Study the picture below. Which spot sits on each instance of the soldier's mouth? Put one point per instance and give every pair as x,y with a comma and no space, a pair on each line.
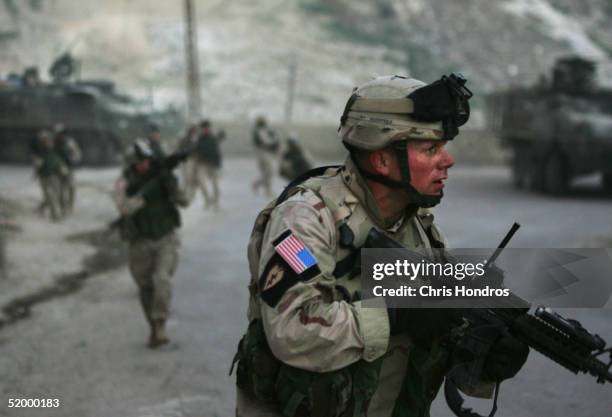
438,184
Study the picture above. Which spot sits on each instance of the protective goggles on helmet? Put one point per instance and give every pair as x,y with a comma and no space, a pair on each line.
142,150
445,100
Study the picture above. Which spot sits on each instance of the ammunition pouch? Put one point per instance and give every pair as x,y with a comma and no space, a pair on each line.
127,228
300,393
257,369
343,393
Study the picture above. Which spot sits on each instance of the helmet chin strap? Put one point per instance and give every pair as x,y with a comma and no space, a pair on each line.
416,198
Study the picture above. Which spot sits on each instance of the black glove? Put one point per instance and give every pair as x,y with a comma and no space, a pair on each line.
505,358
169,184
423,323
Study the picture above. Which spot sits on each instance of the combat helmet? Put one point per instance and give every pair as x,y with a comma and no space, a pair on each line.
139,150
390,110
142,150
261,121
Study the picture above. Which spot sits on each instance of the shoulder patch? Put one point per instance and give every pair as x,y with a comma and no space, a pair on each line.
274,276
294,252
292,263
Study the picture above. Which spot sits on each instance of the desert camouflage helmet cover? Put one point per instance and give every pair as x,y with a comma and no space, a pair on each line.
379,115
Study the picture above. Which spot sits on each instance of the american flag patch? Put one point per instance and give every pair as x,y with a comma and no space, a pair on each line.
293,251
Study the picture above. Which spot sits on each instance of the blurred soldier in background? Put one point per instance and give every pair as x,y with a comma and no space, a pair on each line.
70,152
266,145
30,77
4,224
294,159
49,168
37,150
154,141
147,196
189,169
208,163
310,348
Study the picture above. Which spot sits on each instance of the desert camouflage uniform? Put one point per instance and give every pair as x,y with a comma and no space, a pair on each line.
153,248
153,264
266,146
50,169
71,154
317,324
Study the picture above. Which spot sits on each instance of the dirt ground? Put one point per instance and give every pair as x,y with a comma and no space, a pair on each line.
71,326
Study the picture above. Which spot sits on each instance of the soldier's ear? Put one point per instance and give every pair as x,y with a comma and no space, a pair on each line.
380,161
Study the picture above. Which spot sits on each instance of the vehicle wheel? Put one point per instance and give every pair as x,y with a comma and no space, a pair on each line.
556,174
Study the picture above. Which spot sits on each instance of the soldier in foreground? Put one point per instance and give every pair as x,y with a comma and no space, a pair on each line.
70,153
147,196
266,145
310,349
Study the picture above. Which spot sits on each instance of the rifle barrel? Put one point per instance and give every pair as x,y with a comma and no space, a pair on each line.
503,244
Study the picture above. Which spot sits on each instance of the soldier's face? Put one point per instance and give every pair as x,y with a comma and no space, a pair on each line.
47,142
142,167
429,162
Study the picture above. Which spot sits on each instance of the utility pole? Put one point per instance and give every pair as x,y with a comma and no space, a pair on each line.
291,81
194,97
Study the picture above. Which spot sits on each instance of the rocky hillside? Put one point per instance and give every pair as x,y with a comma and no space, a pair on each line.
247,47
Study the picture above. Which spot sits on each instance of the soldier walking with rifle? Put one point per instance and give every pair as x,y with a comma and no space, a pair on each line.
147,196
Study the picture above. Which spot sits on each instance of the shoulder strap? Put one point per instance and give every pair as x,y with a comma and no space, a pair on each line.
455,400
315,172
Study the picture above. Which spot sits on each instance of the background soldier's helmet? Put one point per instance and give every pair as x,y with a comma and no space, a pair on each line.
43,134
59,128
45,138
376,116
261,121
142,150
154,128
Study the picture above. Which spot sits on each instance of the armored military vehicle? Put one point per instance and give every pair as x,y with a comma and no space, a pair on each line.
102,121
557,129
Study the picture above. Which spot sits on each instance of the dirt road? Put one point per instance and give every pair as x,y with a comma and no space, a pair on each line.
85,346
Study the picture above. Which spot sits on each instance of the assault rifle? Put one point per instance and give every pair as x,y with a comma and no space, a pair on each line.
563,340
160,167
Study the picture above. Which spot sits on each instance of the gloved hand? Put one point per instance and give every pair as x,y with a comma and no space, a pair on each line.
505,358
423,323
169,184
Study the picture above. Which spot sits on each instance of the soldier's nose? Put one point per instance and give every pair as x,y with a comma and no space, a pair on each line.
446,160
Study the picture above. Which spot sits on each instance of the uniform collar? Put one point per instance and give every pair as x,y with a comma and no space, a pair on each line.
359,187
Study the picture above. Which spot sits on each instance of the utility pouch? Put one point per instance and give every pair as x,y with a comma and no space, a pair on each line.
257,369
127,229
343,393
